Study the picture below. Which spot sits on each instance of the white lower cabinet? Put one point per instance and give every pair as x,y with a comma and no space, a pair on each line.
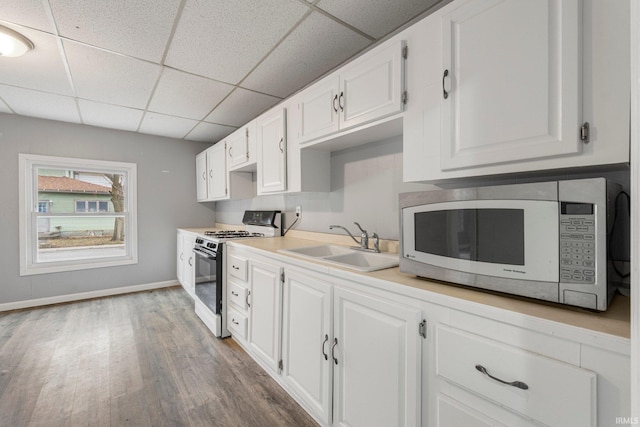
265,311
376,354
185,271
306,341
354,353
352,358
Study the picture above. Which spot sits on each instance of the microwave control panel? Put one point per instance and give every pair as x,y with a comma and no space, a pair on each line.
577,243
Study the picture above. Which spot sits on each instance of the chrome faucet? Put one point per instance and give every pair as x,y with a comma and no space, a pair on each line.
364,238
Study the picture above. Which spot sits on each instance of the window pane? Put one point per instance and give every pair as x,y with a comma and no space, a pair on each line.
72,190
80,237
78,215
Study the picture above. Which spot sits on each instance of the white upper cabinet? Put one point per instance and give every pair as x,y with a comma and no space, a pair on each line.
506,86
511,82
368,89
241,147
272,151
217,171
201,176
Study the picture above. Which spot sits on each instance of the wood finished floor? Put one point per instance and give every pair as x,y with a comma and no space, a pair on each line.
141,359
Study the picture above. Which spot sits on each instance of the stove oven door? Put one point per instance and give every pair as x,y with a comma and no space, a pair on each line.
208,277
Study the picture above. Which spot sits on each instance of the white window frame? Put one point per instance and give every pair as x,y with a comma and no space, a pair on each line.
28,209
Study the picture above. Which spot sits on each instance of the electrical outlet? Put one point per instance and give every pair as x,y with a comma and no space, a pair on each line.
298,211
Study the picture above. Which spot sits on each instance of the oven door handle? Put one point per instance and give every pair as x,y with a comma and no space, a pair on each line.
204,254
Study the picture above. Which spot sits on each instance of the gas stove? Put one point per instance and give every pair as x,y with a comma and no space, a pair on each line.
210,275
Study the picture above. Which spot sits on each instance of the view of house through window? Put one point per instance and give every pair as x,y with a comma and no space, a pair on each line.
80,212
85,235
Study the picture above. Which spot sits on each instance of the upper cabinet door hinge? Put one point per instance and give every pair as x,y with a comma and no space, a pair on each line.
405,97
422,328
405,52
584,132
280,365
282,277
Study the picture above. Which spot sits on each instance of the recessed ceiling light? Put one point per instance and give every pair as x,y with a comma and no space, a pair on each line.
13,44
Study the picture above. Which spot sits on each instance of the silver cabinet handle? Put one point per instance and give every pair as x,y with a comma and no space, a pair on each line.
280,145
335,99
182,256
190,263
247,299
235,267
445,94
517,384
211,173
340,101
326,338
333,348
204,175
235,322
230,151
235,294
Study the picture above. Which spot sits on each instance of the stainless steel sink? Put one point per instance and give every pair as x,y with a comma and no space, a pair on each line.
346,257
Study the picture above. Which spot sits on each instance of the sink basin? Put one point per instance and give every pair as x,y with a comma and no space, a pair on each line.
346,257
320,251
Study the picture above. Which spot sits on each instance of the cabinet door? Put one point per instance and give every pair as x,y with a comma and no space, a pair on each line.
201,176
511,82
241,147
373,87
188,270
272,156
238,149
306,341
265,312
180,258
217,171
377,354
318,107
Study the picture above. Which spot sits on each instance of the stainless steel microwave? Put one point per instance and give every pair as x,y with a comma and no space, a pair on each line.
543,240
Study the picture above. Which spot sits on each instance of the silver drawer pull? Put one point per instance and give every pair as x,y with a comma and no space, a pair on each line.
235,294
517,384
235,268
235,322
326,338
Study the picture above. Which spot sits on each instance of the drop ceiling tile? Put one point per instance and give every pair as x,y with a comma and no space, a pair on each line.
209,132
315,47
375,17
187,95
224,40
170,126
103,76
4,108
40,69
138,28
40,104
109,116
240,107
30,13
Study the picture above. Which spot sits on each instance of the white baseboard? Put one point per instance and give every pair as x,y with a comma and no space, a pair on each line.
85,295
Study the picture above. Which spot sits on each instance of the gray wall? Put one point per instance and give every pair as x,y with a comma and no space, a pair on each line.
166,201
365,184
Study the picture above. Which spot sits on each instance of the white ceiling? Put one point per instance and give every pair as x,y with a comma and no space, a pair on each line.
186,69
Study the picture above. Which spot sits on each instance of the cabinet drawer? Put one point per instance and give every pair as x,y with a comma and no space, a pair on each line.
238,295
552,392
237,323
238,267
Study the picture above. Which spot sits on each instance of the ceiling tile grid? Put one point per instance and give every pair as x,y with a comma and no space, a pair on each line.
185,69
